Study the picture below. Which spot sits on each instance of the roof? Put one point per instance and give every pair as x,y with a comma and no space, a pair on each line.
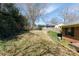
72,23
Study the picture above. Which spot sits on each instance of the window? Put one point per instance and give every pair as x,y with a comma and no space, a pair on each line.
69,31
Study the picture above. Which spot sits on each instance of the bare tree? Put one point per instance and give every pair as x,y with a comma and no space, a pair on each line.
64,14
69,14
34,11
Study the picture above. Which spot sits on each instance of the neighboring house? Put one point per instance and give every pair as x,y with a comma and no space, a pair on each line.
71,29
46,27
58,28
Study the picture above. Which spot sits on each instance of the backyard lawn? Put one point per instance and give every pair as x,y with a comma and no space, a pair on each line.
34,43
55,38
62,42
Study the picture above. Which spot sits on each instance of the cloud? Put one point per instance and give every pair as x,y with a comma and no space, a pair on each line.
50,9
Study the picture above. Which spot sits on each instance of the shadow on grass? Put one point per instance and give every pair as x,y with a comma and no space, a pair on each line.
14,36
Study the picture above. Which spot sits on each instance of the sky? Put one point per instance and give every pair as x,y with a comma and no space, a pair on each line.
53,10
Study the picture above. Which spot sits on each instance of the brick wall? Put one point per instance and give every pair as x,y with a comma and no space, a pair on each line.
69,36
77,33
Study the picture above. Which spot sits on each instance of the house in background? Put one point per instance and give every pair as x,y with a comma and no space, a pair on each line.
47,26
71,29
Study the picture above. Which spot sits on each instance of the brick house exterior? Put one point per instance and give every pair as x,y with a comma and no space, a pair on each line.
71,31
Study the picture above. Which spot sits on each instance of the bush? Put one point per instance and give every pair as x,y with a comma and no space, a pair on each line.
11,22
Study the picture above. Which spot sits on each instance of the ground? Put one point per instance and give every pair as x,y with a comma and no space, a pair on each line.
34,43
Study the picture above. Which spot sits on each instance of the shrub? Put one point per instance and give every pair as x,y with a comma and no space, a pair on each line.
11,21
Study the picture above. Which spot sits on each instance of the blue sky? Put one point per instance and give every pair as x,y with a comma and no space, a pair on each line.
52,11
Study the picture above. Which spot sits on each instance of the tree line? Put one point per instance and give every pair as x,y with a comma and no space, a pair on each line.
11,20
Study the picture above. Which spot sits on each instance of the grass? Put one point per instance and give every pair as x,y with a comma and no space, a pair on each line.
63,42
55,38
27,44
32,44
53,35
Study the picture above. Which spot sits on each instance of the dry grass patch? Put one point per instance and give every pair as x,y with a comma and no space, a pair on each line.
35,43
28,44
